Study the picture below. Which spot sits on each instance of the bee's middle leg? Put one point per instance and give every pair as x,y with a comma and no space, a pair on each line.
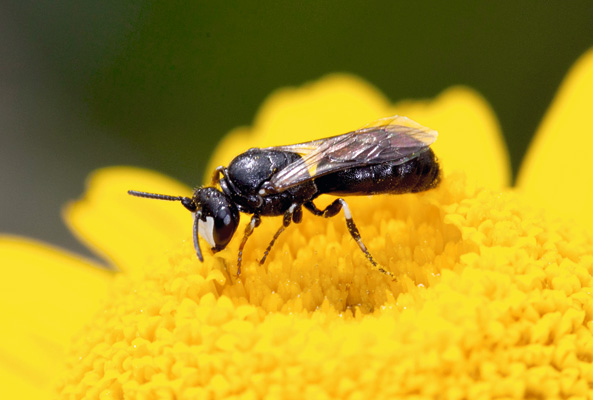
294,213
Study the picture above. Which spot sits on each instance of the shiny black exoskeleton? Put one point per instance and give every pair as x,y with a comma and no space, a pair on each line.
390,157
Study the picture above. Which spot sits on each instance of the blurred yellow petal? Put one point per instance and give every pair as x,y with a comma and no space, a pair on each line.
556,172
469,135
47,296
127,230
469,140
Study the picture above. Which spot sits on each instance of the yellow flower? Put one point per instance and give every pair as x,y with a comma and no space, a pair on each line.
493,298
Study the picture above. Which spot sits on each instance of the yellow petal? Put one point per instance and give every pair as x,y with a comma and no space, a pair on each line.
129,230
469,135
46,297
556,172
469,140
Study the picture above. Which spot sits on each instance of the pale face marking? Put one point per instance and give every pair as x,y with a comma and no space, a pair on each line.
206,230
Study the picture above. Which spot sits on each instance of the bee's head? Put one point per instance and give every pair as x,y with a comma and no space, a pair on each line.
216,217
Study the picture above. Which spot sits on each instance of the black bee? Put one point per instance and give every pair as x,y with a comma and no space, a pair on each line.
389,156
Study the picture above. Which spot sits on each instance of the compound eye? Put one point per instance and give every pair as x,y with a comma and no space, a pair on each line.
225,225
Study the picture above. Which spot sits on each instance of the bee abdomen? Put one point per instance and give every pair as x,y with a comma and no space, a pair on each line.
416,175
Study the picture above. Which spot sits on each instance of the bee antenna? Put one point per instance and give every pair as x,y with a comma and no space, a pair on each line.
196,241
186,201
154,195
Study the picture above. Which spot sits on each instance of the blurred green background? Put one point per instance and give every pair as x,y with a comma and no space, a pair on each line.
156,84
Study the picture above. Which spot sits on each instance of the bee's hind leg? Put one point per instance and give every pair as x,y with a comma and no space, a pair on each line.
332,210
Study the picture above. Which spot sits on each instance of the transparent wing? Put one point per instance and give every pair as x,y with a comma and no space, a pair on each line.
396,139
